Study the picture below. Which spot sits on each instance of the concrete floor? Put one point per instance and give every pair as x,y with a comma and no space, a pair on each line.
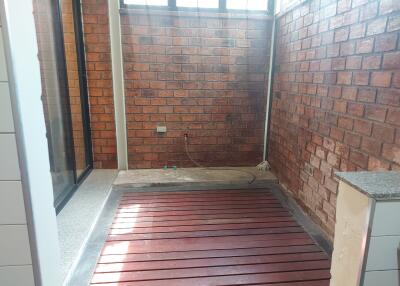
192,177
77,219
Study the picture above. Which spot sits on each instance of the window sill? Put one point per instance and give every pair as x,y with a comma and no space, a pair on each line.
203,14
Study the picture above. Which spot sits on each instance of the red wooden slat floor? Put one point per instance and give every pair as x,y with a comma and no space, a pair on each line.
201,238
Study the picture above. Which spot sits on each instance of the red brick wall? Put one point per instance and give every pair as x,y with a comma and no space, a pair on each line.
204,76
336,99
98,61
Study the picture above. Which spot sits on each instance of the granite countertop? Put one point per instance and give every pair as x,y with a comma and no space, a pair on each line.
380,185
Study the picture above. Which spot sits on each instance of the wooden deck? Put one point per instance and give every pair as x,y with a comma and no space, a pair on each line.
200,238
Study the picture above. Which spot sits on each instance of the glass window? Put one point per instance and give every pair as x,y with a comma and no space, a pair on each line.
258,5
74,86
55,97
62,72
147,2
197,3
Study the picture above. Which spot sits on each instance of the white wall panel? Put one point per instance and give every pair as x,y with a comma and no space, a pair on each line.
3,66
12,209
6,117
14,245
16,275
386,219
9,166
382,278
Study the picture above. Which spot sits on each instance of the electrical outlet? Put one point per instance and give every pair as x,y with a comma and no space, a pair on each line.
161,129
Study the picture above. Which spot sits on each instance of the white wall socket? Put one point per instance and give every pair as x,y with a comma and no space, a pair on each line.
161,129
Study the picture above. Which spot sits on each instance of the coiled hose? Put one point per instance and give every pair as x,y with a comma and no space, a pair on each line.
253,177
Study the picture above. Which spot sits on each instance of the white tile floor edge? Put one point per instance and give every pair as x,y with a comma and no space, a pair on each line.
77,219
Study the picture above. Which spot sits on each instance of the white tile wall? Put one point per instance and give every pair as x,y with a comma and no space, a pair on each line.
12,209
14,245
383,253
386,219
22,43
382,278
6,119
15,255
16,275
9,165
3,66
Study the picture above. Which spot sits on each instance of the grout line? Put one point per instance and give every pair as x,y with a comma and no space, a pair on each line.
14,265
13,224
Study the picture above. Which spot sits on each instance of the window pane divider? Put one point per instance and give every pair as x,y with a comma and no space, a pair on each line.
222,5
172,4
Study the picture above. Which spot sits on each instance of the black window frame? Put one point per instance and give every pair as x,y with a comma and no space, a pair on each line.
56,9
222,8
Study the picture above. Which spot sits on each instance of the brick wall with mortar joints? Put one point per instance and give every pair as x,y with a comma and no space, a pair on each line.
204,76
99,77
336,104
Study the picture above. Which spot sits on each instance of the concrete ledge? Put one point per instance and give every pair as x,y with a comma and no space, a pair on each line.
77,219
194,178
379,185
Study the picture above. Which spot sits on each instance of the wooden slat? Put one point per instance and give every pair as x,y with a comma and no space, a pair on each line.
200,227
215,233
209,262
214,253
216,237
198,199
201,195
199,203
128,276
194,244
209,217
205,212
204,242
142,209
256,278
196,193
131,221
